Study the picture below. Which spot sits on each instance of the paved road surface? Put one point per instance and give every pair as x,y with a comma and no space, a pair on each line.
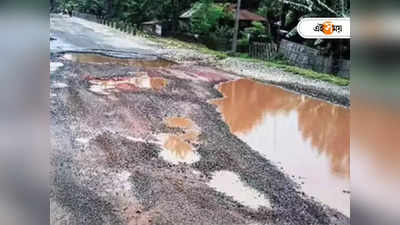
142,142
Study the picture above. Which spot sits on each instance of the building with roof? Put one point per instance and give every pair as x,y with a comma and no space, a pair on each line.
154,27
245,17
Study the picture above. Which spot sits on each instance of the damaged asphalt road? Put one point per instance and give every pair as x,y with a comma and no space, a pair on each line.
138,142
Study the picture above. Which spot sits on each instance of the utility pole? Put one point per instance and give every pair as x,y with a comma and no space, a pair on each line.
236,31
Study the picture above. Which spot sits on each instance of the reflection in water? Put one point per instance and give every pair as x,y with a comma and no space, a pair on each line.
101,59
309,138
126,84
230,184
179,147
328,128
245,102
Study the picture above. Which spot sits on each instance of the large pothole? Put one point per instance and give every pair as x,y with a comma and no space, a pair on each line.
94,58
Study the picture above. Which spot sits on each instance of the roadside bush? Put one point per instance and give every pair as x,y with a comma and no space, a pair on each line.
243,44
258,32
220,39
215,42
224,31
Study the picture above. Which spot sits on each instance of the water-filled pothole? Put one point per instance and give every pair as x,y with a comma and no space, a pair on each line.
93,58
106,86
229,183
307,138
179,148
179,122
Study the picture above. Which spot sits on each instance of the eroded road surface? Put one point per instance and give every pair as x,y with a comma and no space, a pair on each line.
147,141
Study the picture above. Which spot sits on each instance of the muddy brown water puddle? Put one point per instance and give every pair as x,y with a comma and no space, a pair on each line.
101,59
307,138
178,148
179,122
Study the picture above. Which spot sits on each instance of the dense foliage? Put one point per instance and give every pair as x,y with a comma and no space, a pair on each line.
206,16
132,11
212,20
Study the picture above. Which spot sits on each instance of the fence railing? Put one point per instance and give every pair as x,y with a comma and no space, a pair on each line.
119,25
310,58
264,51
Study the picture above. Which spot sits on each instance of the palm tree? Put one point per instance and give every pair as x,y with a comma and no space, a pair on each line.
318,8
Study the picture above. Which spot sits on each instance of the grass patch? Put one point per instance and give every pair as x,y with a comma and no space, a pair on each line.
280,64
318,76
175,43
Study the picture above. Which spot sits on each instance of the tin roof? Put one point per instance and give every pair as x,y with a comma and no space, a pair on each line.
249,16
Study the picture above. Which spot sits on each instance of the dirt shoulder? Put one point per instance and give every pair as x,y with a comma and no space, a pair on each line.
255,69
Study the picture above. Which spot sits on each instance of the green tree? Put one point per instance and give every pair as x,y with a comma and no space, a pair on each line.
206,16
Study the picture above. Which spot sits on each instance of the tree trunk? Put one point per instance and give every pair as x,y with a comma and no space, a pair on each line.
175,15
236,31
51,5
110,10
284,9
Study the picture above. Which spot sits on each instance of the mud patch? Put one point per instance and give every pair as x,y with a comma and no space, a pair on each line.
179,148
102,59
230,184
